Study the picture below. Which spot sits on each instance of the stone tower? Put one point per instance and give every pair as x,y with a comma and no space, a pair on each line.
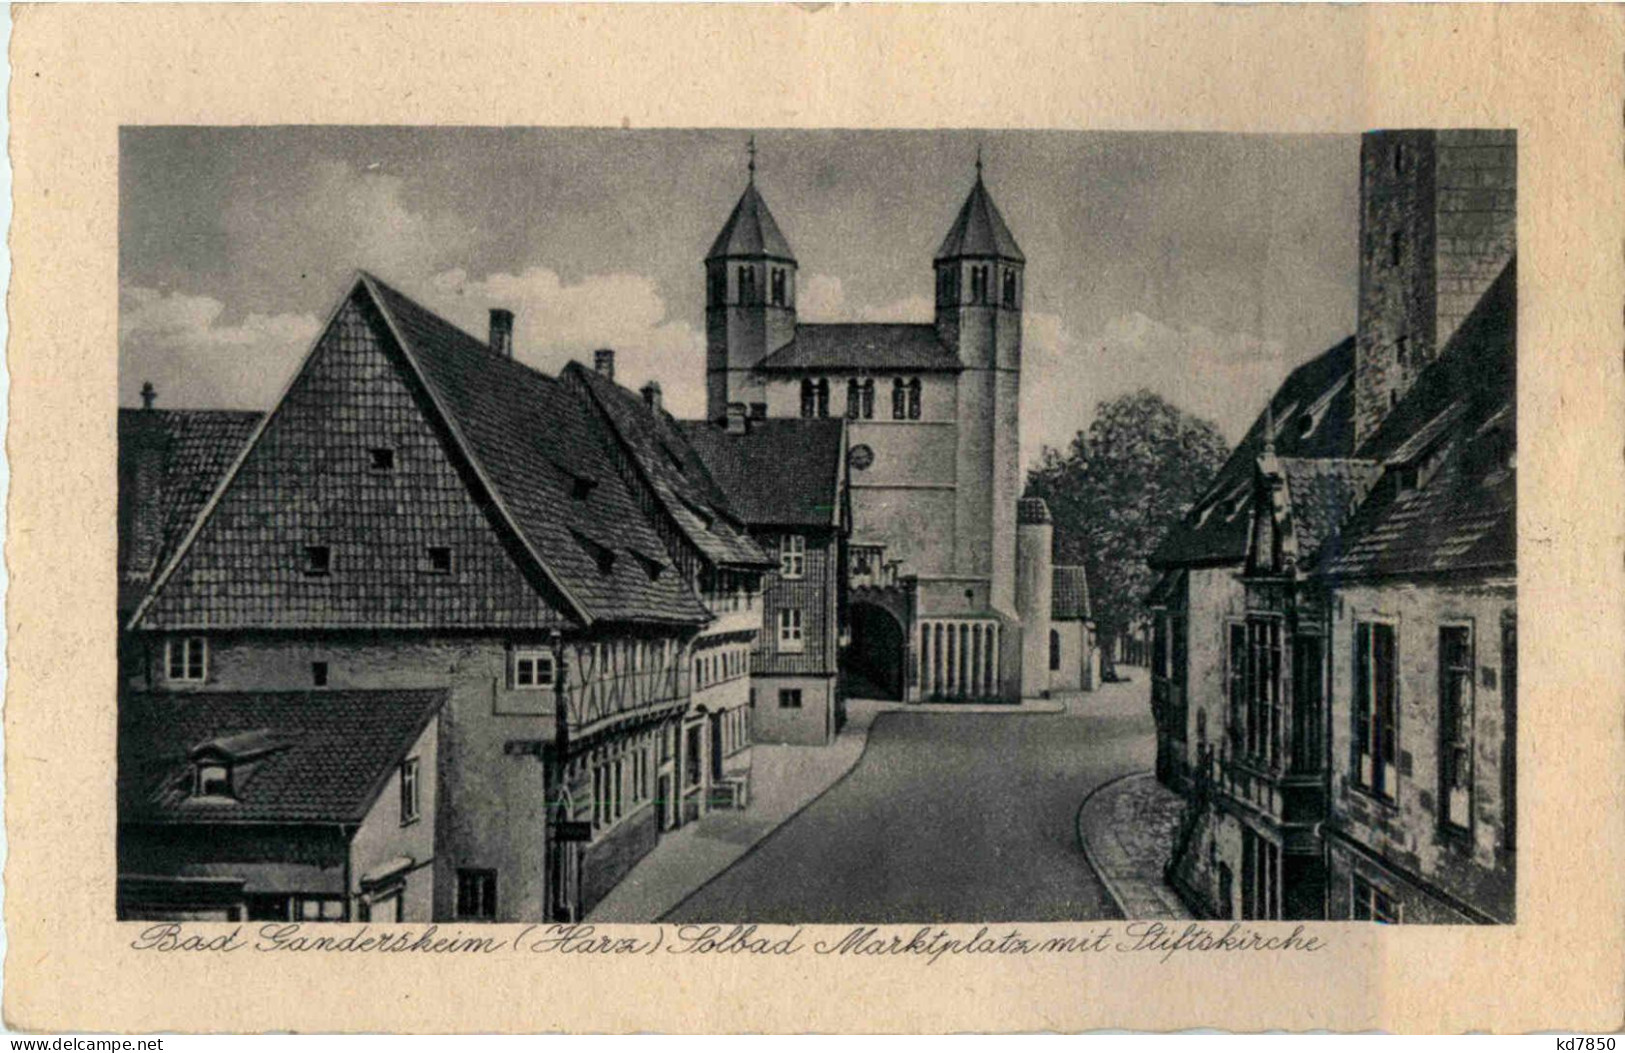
978,316
1438,223
750,302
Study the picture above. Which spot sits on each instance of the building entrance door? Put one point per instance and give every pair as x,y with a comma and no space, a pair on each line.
874,661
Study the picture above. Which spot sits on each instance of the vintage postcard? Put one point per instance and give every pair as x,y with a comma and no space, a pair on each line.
611,506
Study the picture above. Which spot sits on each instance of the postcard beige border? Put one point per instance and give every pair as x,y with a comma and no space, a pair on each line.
1556,75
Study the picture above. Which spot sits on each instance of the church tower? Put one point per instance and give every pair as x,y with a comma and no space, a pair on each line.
750,301
979,288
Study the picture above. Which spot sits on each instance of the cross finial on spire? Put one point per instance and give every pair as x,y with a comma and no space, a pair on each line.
750,148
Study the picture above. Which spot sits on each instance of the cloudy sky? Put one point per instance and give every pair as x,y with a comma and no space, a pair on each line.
1201,266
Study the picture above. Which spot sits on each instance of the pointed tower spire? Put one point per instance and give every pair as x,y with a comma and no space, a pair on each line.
750,166
1269,429
978,162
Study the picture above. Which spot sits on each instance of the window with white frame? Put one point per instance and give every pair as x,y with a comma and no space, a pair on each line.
1375,708
532,669
1370,903
411,798
792,556
791,639
1455,725
187,658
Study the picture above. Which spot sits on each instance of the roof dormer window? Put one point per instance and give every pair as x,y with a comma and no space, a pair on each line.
211,778
381,459
318,561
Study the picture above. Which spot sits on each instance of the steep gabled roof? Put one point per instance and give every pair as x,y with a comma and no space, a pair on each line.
1313,417
979,230
169,462
1069,594
751,231
1322,494
779,471
296,756
675,473
528,443
864,346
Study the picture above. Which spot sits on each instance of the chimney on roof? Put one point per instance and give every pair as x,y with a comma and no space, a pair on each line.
502,331
736,418
149,394
651,395
603,361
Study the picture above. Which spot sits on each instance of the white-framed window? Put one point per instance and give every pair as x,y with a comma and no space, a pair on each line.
213,780
1376,708
791,638
1456,726
319,908
1370,903
186,658
793,556
411,797
532,670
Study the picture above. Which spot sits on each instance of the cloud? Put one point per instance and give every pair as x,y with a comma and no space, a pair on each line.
1218,376
822,298
555,321
177,342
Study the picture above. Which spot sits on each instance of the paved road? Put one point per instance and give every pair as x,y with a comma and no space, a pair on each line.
948,817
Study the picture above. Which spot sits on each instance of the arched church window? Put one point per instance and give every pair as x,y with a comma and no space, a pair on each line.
822,391
1054,650
869,400
853,398
809,399
899,399
914,399
779,286
747,285
719,285
1009,288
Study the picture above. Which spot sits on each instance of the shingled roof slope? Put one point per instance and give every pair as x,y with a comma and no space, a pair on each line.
848,346
779,471
674,471
1313,416
1323,494
1069,594
1462,513
751,230
320,756
534,439
979,230
169,462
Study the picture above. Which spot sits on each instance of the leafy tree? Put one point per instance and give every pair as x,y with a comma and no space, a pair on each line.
1116,493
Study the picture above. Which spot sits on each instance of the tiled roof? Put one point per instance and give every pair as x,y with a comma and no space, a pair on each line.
674,471
850,346
1069,594
779,471
169,463
508,466
1322,494
979,230
750,231
319,756
1313,416
1448,504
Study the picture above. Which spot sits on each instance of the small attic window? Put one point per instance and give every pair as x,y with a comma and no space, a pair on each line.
437,559
602,555
212,778
651,567
318,560
581,487
381,459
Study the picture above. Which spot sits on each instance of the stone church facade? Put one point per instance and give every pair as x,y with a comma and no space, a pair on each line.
932,411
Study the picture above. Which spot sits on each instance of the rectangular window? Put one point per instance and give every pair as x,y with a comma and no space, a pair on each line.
1455,726
1374,708
410,796
1238,687
790,698
318,674
792,556
477,895
790,635
381,459
1262,742
1370,903
187,658
318,560
532,670
1308,707
437,559
320,908
779,286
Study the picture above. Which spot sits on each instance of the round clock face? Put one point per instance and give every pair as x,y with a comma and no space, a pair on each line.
861,457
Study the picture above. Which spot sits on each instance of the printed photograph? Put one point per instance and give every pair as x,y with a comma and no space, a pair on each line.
736,526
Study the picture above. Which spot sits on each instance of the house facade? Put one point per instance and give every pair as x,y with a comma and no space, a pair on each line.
1334,641
787,478
932,411
421,512
1074,661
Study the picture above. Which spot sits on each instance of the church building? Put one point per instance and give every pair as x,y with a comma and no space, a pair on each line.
932,410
